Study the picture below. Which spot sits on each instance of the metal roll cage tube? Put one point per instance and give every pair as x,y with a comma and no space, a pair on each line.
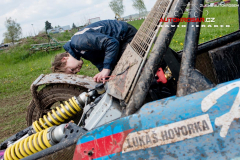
191,80
160,48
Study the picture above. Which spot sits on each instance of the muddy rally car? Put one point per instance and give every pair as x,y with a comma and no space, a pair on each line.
162,105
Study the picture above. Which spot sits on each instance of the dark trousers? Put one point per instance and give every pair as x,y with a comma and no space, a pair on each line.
123,44
128,38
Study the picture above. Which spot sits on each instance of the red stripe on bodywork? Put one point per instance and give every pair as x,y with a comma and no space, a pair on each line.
101,147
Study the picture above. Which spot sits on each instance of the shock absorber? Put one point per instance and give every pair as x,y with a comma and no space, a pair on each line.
35,143
71,108
59,114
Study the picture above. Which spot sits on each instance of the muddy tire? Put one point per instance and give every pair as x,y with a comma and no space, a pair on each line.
50,97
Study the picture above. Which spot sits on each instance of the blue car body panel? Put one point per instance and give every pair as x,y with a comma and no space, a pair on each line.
203,125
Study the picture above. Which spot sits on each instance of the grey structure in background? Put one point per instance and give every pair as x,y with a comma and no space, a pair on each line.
59,29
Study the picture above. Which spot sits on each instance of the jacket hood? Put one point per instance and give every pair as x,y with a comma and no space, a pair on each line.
67,47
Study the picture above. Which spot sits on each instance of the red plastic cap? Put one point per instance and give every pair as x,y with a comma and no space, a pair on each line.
161,76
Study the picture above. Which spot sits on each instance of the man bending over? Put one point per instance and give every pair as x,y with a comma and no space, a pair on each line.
102,43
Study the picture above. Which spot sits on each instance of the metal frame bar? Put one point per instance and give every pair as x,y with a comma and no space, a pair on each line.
151,40
190,80
239,13
159,49
143,40
215,43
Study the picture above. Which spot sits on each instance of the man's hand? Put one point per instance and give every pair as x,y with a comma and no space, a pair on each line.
101,75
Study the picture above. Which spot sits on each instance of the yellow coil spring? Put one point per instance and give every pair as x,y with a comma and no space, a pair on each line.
28,146
57,117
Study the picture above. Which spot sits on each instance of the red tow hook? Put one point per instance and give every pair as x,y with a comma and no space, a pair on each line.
161,76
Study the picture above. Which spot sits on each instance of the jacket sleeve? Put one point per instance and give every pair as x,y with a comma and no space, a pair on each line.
97,41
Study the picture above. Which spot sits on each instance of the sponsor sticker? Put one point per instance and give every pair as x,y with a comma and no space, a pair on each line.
234,113
170,133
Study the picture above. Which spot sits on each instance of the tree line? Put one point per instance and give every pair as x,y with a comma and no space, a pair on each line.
118,8
14,30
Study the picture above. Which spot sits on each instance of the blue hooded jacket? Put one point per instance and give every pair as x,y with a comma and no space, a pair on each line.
98,42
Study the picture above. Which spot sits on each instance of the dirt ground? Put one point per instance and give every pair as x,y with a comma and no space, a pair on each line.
12,114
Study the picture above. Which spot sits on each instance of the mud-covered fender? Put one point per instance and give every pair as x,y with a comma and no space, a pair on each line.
79,80
62,78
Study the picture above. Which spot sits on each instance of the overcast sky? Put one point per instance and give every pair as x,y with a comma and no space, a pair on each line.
58,12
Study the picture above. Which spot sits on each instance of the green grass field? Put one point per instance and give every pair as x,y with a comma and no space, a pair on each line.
223,16
19,68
